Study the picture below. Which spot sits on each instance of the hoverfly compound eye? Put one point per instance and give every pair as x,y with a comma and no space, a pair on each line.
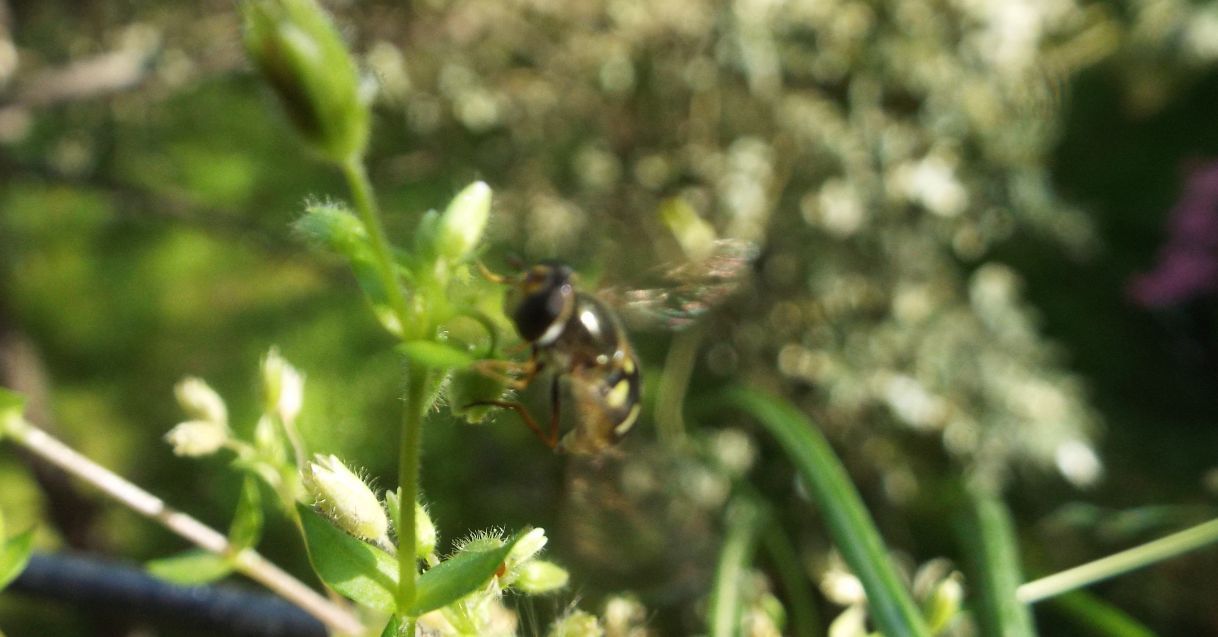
545,303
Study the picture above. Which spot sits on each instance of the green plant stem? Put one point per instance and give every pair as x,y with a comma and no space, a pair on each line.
674,382
1120,563
745,521
786,564
417,379
369,213
853,532
988,538
248,562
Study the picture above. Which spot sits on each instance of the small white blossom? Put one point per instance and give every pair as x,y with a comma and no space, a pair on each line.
200,401
283,387
195,438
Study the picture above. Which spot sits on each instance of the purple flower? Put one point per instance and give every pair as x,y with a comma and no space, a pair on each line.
1188,261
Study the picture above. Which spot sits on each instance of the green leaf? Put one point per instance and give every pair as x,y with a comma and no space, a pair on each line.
435,355
11,400
247,521
360,571
14,555
191,567
889,603
393,628
990,545
12,405
459,576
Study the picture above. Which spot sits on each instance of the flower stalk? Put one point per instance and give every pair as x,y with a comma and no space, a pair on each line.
247,561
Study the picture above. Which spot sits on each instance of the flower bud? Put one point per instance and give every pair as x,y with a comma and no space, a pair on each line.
577,624
460,227
537,577
200,401
467,387
282,387
299,52
344,498
195,438
424,529
944,602
527,546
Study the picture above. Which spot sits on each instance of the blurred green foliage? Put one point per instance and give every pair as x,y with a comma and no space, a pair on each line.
950,199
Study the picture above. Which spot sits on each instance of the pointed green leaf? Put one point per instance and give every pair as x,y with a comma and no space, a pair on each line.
191,567
358,570
247,522
14,555
393,628
435,355
459,576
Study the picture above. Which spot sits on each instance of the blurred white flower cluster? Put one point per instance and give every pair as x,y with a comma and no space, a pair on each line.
881,150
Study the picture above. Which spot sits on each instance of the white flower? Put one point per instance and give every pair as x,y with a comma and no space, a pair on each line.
196,438
200,401
283,387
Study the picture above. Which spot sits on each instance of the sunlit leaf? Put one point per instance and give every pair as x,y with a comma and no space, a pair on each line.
459,576
393,628
191,567
435,355
14,555
360,571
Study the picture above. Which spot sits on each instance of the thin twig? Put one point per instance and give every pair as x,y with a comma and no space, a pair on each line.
248,561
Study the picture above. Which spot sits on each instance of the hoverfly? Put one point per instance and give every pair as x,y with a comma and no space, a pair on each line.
579,338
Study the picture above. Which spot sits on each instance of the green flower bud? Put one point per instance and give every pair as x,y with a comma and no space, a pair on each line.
537,577
944,602
577,624
195,438
467,387
424,529
200,401
282,387
460,227
299,52
344,498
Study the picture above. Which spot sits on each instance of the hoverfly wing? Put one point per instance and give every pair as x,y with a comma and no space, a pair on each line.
688,290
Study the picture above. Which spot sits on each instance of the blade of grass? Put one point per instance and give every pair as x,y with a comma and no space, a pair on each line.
988,540
1120,563
851,527
800,601
1099,617
745,520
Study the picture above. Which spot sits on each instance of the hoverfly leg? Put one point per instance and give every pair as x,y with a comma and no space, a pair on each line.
550,440
514,374
491,276
555,394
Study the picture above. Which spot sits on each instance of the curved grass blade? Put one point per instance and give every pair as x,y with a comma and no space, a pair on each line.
988,539
853,532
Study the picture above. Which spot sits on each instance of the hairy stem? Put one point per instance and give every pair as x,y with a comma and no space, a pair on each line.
247,561
417,379
369,213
